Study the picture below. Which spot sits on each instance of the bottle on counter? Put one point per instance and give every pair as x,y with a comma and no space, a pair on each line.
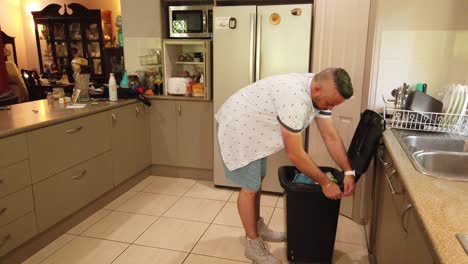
112,88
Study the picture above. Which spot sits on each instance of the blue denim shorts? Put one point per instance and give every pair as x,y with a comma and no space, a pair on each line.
250,176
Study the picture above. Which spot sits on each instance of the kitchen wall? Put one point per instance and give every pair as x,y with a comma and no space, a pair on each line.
142,30
419,41
17,21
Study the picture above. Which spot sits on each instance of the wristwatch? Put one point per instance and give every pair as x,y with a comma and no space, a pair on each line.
352,173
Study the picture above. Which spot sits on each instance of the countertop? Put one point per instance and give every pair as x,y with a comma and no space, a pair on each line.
36,114
442,205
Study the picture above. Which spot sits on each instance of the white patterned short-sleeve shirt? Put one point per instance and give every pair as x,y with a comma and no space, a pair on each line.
249,122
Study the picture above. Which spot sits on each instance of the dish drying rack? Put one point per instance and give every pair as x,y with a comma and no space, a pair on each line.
426,121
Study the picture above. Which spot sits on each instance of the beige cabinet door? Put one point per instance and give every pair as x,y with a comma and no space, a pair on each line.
416,248
123,142
164,132
142,139
389,237
195,134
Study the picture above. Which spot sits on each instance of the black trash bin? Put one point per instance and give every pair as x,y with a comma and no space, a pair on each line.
312,218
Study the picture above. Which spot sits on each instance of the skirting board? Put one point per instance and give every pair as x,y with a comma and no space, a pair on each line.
182,172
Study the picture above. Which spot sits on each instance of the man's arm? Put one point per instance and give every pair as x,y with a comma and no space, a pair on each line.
336,149
302,161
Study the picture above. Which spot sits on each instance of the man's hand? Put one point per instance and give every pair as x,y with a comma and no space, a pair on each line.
332,191
348,185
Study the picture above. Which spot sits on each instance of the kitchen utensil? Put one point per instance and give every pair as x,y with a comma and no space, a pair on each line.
178,85
421,102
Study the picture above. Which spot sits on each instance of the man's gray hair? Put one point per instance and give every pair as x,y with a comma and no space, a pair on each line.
341,79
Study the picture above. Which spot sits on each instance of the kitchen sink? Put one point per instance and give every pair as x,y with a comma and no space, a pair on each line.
441,164
425,143
440,156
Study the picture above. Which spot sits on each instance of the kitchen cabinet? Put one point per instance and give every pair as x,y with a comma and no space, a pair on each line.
63,194
56,148
182,133
130,136
192,57
399,238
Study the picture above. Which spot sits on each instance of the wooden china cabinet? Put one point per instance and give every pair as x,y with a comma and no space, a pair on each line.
63,32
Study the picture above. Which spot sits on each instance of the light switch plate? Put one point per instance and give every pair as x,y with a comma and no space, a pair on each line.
463,238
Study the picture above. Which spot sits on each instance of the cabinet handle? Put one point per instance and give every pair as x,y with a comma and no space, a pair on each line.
390,186
114,120
3,210
380,157
179,109
77,177
137,110
5,239
403,218
74,130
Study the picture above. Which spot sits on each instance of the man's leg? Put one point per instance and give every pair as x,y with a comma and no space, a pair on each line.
248,211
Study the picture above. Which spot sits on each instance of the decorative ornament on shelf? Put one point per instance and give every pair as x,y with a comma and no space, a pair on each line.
118,23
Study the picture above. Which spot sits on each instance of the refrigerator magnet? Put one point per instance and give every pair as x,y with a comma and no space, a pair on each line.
275,18
232,23
296,12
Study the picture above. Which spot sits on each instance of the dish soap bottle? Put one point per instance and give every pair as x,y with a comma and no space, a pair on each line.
112,88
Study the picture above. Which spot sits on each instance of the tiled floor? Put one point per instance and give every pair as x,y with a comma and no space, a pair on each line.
172,220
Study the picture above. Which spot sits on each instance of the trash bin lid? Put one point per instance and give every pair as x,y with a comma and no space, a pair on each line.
366,140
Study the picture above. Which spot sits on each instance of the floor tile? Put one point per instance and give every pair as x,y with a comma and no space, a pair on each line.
173,234
81,227
198,259
148,255
143,184
148,203
279,251
346,253
120,200
265,200
230,216
87,250
206,189
120,226
169,185
49,249
278,220
195,209
223,242
280,203
350,232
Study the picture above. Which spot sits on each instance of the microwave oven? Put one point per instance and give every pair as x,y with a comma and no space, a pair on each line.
191,21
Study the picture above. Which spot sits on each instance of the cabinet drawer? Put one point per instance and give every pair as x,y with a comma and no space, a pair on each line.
56,148
13,149
14,177
17,232
68,191
16,205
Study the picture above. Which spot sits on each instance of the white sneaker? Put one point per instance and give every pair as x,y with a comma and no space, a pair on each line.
259,251
269,235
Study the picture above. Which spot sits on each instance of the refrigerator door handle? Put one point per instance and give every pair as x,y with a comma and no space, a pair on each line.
258,51
252,48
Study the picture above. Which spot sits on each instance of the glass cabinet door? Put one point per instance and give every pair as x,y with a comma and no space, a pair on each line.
45,47
76,43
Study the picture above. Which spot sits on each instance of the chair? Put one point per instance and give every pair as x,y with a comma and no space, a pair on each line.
16,82
33,83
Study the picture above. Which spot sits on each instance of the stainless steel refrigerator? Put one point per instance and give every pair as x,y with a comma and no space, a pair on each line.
251,43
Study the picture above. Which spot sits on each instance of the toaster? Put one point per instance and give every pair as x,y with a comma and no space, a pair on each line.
178,85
